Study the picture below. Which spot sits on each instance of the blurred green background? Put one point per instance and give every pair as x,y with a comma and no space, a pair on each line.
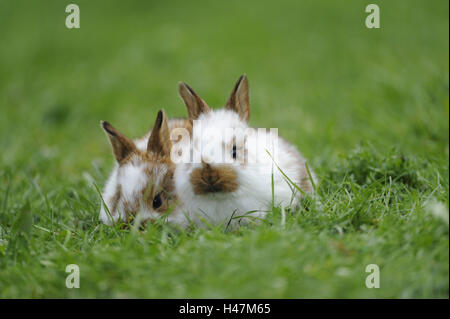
316,73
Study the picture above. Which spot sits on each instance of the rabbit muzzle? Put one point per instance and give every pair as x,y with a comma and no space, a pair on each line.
213,179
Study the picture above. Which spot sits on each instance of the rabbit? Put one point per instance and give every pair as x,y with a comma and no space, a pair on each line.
142,179
222,189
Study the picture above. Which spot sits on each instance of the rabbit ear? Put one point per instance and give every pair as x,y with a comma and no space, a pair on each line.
159,141
194,103
122,145
239,100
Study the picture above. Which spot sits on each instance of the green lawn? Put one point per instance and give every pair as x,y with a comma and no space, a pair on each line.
368,108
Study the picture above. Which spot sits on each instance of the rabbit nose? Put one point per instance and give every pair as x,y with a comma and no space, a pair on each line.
209,174
213,179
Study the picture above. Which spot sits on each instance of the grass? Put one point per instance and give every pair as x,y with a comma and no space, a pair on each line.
368,108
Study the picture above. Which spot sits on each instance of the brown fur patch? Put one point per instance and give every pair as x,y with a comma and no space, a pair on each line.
180,123
159,140
194,103
115,200
130,209
239,100
210,179
122,146
305,181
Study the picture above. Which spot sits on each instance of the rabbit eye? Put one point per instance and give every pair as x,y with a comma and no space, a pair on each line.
233,152
157,201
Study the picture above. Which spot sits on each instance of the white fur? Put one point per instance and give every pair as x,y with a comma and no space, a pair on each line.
254,192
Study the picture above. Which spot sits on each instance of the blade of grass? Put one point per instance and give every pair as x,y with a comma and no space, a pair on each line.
285,176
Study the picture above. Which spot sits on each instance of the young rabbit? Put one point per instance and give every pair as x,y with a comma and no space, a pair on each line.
142,179
237,176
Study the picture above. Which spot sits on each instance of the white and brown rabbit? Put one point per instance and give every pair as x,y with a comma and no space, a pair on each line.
141,182
235,174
